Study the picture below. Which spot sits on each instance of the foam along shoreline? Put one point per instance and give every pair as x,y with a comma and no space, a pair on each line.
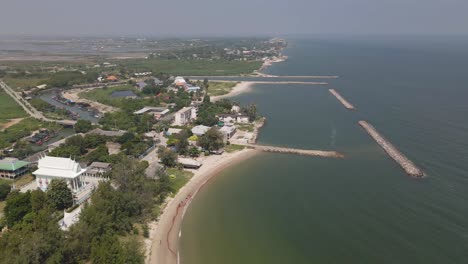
162,246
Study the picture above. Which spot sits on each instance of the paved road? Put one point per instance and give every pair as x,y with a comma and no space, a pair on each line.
33,112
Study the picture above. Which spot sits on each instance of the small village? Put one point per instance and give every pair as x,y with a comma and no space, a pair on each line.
84,136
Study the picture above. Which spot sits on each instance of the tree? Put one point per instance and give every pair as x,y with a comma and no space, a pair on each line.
168,157
205,84
38,200
107,249
206,99
251,112
182,143
212,140
83,126
17,206
194,152
59,195
5,189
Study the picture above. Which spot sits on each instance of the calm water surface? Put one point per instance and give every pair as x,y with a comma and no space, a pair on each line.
363,209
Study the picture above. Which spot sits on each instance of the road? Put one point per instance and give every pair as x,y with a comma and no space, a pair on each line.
33,112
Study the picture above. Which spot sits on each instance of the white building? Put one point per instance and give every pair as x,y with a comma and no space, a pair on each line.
53,168
228,132
185,116
200,130
230,119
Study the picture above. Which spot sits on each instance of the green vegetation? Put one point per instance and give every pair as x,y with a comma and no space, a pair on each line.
245,127
2,208
126,120
59,195
103,95
191,67
178,178
23,180
50,111
220,88
212,140
167,157
5,189
83,126
233,148
9,109
105,232
23,129
207,111
25,82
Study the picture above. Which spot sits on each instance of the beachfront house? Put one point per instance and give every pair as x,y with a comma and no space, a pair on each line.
185,116
228,132
233,118
12,168
54,168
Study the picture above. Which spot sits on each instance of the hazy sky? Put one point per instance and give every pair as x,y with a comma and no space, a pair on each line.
234,17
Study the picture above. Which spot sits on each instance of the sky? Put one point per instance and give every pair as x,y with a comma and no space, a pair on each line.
233,18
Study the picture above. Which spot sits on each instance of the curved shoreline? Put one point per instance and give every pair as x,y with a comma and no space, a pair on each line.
164,238
241,87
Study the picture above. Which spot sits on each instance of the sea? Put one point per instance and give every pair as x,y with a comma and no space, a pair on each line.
280,208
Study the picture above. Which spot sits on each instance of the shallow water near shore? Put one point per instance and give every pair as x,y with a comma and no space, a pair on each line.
277,208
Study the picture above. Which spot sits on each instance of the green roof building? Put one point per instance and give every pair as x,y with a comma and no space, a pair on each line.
11,168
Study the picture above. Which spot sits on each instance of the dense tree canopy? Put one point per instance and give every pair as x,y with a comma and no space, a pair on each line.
167,157
4,190
212,140
83,126
59,195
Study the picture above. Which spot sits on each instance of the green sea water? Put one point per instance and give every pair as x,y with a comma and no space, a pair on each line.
277,208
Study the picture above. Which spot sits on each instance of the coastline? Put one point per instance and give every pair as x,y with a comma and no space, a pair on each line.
241,87
162,245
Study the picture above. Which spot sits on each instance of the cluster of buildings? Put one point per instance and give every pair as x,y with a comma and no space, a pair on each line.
73,173
180,82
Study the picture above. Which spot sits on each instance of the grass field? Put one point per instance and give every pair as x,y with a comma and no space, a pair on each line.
24,83
103,95
220,88
23,129
178,179
233,148
245,127
192,67
9,109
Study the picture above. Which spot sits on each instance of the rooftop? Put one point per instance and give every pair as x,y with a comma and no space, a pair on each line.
58,167
12,164
102,165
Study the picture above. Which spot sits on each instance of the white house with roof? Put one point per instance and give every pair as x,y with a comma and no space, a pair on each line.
54,168
185,116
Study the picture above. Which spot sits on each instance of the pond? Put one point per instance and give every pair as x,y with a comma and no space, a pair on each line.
124,94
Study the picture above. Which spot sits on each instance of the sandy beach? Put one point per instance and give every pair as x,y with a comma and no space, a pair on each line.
162,247
241,87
